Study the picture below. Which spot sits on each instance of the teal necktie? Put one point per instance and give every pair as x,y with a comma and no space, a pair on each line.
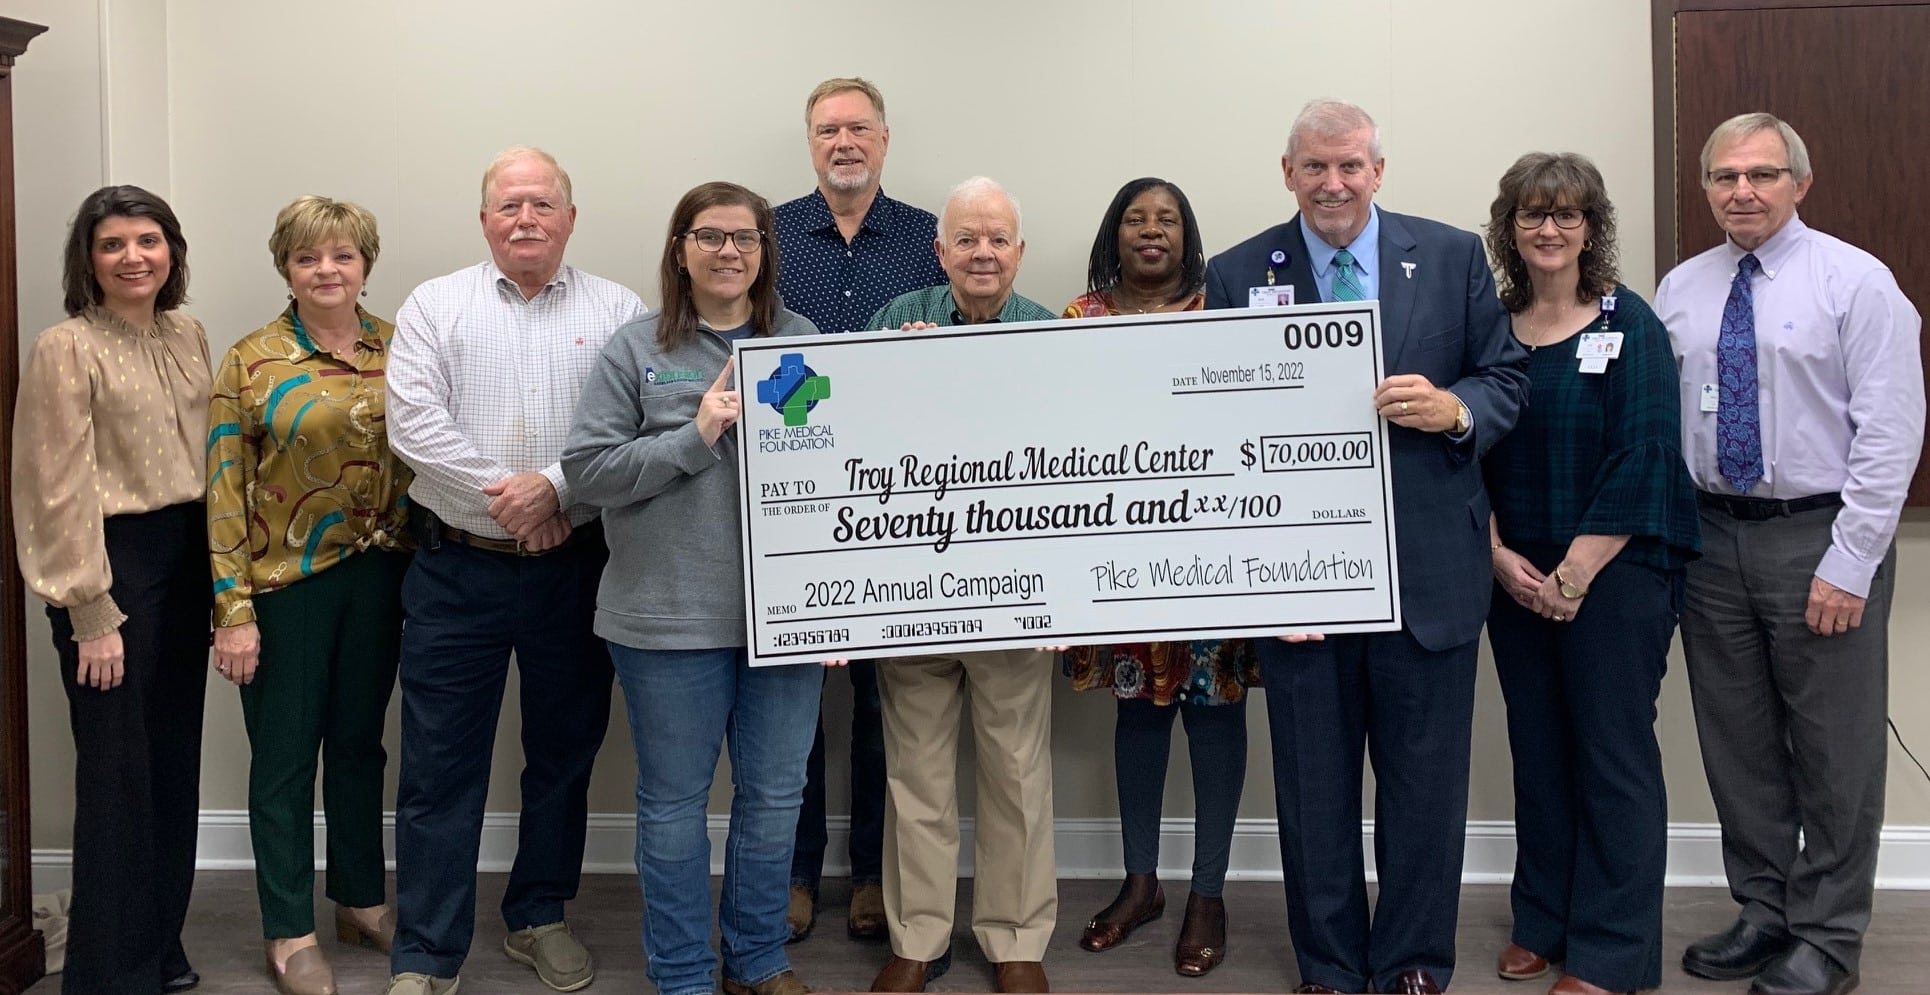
1346,280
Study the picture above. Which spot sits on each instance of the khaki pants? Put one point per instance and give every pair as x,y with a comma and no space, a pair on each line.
1015,898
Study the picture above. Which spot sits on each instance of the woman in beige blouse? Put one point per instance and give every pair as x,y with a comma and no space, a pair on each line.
107,488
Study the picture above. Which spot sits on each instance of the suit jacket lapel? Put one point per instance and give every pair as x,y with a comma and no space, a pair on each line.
1397,286
1299,271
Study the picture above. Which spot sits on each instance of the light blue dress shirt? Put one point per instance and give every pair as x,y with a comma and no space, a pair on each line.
1366,250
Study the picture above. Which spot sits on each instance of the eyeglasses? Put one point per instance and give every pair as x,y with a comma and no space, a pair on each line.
712,239
1760,176
1566,218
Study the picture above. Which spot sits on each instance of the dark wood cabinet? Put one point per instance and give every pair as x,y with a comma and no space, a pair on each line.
23,952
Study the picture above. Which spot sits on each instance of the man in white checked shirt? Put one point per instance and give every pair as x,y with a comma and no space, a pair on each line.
483,378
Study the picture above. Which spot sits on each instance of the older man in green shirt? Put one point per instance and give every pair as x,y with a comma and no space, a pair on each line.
1015,897
980,245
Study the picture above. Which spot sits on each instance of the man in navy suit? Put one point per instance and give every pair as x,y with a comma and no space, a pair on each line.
1456,382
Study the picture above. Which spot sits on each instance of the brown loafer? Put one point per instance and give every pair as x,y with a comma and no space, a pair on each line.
902,974
306,973
1518,963
1568,984
1140,901
1415,981
803,913
782,983
1202,937
350,930
866,920
1019,976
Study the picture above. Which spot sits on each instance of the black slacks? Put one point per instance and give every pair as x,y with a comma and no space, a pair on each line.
137,759
1591,810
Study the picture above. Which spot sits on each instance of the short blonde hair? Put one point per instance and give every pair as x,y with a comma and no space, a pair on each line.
516,153
845,84
311,219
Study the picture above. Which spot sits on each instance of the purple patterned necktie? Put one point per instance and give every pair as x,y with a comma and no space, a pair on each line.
1738,421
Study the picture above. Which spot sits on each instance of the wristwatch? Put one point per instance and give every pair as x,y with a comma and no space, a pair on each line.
1462,421
1568,590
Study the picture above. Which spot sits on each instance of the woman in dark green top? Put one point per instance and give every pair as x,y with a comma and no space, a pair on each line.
1594,517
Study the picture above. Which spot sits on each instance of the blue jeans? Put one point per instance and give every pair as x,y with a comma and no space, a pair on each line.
683,706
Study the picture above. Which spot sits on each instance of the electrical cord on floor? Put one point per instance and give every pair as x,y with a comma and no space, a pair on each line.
1906,748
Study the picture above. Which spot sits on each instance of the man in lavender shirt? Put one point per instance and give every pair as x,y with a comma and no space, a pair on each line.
1803,411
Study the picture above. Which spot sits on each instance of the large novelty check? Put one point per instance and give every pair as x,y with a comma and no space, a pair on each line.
1106,480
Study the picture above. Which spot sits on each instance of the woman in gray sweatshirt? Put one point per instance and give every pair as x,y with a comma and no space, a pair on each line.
654,445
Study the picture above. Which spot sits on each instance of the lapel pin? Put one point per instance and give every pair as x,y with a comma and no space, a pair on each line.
1409,269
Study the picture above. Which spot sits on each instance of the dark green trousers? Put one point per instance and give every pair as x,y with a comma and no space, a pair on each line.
328,659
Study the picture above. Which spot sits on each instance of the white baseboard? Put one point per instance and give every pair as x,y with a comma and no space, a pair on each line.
1086,848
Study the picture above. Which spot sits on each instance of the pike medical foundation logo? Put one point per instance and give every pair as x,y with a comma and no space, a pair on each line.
794,390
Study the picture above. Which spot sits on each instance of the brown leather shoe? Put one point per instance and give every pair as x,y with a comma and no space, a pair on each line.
352,931
1415,982
1518,963
782,983
1140,901
866,920
902,974
803,913
1202,937
1568,984
306,972
1019,976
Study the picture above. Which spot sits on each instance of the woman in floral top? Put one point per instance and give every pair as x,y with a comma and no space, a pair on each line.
1148,258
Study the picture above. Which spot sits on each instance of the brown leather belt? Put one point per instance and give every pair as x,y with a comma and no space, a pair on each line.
474,541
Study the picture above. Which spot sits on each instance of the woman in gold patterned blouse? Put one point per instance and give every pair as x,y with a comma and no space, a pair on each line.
306,532
107,492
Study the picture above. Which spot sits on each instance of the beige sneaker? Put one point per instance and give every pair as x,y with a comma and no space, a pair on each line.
559,959
411,983
782,983
803,913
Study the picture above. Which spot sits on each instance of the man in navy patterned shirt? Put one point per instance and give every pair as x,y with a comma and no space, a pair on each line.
848,250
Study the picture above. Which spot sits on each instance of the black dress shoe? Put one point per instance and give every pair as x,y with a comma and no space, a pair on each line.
182,982
1737,952
1804,970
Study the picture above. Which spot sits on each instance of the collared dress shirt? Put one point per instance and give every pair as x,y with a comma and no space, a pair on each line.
109,422
837,285
300,473
936,306
1839,378
1365,249
483,383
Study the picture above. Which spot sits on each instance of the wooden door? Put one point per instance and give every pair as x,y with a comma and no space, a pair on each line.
1851,76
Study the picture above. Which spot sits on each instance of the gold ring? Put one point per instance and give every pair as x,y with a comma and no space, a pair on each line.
1403,407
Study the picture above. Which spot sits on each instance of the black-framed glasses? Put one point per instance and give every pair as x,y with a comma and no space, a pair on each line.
1566,218
712,239
1759,176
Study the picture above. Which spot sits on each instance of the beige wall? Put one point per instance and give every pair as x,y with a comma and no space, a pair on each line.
233,107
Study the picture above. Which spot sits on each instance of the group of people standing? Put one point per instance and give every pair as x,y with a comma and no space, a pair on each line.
530,461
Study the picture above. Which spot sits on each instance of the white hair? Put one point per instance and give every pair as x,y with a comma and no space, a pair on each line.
1744,125
979,188
1333,119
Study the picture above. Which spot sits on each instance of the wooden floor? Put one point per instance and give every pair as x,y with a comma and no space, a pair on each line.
224,928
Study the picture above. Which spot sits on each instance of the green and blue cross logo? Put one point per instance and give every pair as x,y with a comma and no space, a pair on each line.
793,389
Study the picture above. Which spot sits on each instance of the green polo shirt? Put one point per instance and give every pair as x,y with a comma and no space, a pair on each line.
936,306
